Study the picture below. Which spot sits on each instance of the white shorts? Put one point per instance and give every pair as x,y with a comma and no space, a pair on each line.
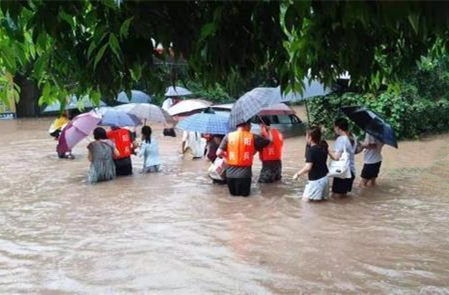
317,190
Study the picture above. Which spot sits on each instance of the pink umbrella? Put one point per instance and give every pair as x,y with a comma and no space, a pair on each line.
78,129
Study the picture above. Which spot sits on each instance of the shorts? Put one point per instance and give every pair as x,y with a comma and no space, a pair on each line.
123,167
317,190
343,186
371,171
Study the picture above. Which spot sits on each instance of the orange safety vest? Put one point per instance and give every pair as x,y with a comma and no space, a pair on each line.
122,142
273,151
240,151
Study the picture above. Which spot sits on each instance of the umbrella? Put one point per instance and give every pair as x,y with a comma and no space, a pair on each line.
311,89
276,109
251,103
223,107
119,119
137,96
79,128
177,91
189,106
372,124
73,104
209,123
146,112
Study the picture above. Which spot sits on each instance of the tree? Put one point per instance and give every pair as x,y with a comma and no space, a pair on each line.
101,47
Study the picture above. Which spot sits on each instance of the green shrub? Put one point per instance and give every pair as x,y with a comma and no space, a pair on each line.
409,115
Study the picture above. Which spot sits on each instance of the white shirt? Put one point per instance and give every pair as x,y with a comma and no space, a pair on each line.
343,143
372,155
168,103
194,141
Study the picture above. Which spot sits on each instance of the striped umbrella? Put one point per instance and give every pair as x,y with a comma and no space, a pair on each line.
206,123
251,103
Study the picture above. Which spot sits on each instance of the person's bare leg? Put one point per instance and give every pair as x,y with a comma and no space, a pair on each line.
364,183
372,182
339,196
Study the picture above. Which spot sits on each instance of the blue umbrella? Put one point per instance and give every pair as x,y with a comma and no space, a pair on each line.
137,96
206,123
372,124
119,119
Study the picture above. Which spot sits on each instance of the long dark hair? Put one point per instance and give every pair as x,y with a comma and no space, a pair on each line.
315,134
146,132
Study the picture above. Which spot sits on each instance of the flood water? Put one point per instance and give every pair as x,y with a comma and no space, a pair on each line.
175,232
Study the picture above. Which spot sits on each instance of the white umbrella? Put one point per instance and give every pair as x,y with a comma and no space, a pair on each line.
137,96
188,106
177,91
146,112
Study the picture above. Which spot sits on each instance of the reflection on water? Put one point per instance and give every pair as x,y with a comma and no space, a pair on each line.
175,232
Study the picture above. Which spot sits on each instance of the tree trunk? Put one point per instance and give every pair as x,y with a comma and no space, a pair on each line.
29,97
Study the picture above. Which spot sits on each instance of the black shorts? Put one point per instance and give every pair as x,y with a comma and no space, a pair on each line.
371,171
123,167
343,186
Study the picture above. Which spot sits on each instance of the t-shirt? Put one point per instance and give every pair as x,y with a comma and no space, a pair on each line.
372,155
243,172
343,142
318,157
150,153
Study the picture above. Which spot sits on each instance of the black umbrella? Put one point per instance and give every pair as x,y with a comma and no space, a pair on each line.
372,124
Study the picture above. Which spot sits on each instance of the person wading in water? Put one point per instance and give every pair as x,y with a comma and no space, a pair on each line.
238,148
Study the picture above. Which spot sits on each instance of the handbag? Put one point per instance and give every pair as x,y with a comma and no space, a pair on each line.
340,168
216,169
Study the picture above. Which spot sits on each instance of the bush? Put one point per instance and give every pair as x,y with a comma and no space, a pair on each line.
409,115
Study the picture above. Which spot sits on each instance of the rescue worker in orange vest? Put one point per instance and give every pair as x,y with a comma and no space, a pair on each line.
124,144
238,148
271,156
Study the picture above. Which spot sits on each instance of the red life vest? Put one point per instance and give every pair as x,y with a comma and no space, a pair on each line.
273,151
122,142
240,150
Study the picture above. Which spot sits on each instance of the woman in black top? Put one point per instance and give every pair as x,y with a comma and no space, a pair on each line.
317,188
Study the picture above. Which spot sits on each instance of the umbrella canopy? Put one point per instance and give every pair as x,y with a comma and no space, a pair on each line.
146,112
137,96
73,104
189,106
372,124
177,91
209,123
79,128
276,109
117,118
253,102
311,89
223,107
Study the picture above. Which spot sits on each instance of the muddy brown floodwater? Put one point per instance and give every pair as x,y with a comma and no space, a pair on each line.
175,232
